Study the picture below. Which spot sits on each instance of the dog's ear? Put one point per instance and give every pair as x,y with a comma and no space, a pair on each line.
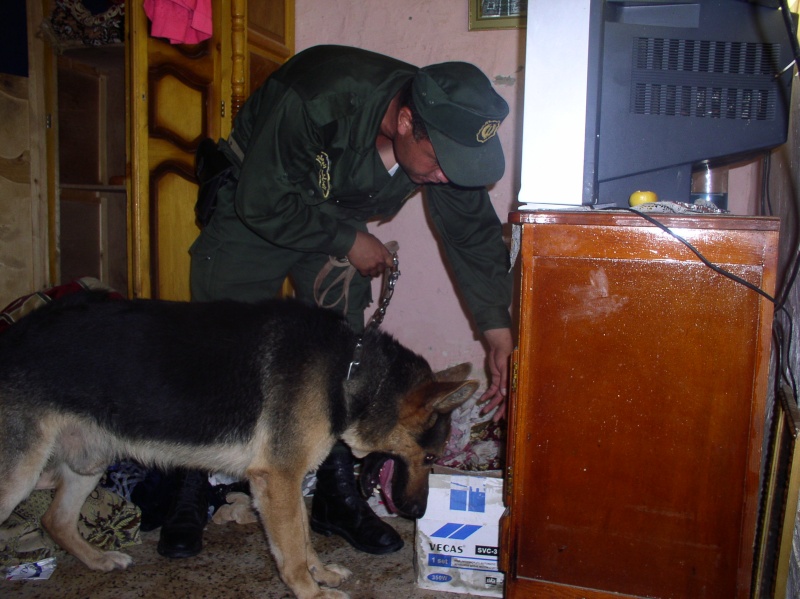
447,396
454,373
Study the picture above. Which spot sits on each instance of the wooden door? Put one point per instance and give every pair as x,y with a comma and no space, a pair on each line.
175,101
179,95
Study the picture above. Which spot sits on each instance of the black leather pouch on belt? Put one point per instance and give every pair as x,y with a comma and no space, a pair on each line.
213,170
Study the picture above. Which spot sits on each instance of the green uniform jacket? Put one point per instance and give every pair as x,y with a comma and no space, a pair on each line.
311,168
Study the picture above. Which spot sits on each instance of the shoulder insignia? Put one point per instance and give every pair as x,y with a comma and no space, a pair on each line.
324,174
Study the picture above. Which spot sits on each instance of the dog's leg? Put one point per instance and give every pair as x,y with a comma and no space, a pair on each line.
280,504
61,521
14,488
21,464
331,575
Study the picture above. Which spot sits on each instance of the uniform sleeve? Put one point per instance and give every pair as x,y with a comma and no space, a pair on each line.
472,237
278,196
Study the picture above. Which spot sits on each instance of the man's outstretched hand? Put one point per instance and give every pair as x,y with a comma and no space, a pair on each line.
501,345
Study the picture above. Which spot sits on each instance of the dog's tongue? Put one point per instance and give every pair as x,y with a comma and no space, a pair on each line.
385,478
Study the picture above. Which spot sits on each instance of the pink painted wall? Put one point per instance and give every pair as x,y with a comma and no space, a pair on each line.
425,313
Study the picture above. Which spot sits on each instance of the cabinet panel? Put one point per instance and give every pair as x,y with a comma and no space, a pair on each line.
270,38
639,407
82,114
91,202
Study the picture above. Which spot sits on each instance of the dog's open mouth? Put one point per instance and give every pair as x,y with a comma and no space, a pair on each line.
378,469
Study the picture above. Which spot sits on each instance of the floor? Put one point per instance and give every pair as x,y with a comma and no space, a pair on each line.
235,564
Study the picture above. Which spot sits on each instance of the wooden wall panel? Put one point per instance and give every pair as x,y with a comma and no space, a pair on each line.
16,217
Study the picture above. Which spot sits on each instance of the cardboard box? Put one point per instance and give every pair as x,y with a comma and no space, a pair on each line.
458,540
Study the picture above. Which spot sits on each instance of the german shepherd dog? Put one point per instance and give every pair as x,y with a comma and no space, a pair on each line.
259,391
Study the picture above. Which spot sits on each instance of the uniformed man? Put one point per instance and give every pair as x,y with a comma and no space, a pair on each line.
335,137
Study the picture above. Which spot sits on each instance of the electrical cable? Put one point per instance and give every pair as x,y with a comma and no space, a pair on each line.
703,259
782,342
783,338
766,199
787,21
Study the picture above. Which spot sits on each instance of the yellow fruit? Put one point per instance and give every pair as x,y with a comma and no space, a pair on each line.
642,197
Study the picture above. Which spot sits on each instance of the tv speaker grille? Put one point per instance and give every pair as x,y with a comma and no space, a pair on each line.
704,79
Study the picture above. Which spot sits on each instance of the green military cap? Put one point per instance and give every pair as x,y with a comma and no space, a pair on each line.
462,112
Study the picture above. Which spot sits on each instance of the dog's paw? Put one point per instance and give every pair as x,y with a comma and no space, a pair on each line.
331,575
343,572
111,560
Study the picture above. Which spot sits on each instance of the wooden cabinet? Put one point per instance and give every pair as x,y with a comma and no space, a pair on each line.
637,418
92,206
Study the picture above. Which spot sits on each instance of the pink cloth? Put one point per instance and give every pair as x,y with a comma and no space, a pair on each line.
180,21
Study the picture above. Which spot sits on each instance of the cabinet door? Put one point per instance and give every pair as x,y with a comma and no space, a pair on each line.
640,406
179,95
268,43
175,102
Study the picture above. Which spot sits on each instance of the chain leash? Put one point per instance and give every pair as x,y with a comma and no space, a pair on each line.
387,292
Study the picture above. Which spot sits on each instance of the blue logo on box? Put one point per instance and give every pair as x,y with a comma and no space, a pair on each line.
454,530
438,577
464,498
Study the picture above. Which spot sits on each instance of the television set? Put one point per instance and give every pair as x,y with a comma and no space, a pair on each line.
628,95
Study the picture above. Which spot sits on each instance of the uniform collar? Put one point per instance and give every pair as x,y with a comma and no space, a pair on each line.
365,130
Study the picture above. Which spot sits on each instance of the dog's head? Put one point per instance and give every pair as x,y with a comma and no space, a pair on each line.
402,459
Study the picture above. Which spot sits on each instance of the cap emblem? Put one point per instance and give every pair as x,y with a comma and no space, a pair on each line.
488,131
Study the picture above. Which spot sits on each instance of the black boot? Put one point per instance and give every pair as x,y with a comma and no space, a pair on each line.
338,508
182,531
154,495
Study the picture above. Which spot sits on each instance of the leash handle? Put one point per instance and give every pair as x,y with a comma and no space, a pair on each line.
346,273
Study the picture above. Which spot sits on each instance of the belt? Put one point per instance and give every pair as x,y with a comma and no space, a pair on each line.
236,148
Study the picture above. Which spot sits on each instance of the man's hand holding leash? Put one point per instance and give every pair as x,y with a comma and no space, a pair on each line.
369,256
